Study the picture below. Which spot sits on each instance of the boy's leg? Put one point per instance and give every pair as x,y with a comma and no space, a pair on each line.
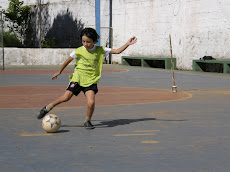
65,97
90,96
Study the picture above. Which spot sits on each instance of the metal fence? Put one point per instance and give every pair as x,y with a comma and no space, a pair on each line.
2,65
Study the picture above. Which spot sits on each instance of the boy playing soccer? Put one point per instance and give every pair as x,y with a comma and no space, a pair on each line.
88,65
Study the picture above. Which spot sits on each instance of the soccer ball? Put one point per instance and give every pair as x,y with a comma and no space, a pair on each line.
51,123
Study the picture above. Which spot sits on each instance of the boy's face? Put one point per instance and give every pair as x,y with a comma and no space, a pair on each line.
87,42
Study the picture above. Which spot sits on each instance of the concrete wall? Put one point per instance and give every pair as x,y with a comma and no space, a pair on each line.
197,27
36,56
81,10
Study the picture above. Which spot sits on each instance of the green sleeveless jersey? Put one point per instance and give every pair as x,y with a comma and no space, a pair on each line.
88,66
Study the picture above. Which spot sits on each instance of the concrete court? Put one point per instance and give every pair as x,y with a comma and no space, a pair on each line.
187,131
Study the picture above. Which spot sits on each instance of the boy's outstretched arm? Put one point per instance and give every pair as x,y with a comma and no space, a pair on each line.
62,68
131,41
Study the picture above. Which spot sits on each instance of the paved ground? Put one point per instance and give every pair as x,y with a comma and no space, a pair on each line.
140,124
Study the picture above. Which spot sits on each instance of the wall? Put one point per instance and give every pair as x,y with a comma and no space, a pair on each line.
197,27
36,56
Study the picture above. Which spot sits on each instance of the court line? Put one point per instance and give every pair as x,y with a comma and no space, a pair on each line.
70,107
38,134
148,134
189,95
150,141
140,131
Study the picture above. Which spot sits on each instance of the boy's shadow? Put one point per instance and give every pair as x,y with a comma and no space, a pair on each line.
117,122
62,131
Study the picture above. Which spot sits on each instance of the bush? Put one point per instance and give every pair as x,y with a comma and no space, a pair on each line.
11,40
49,43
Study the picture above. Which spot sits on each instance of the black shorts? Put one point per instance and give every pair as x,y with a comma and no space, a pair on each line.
75,88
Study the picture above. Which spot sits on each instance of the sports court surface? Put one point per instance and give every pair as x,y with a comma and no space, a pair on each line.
140,124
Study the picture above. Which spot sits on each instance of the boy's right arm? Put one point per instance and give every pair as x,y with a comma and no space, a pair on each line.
131,41
62,68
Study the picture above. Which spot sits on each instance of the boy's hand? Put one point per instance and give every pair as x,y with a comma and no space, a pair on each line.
55,75
132,40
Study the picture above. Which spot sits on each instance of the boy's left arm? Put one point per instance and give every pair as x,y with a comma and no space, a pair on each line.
131,41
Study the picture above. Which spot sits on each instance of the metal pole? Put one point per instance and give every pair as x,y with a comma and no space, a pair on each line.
3,63
98,19
40,24
110,28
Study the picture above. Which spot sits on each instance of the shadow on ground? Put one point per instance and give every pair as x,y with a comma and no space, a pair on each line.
119,122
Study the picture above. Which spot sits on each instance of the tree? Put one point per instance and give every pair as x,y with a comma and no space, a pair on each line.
11,40
17,18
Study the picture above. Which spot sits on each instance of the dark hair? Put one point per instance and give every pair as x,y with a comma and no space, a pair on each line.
91,33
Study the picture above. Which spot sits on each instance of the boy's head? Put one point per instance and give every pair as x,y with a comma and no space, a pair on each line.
90,33
89,38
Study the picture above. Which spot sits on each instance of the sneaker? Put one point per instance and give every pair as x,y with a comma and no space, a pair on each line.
42,113
88,125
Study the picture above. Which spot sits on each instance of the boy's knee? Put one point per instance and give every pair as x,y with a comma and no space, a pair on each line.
91,103
65,98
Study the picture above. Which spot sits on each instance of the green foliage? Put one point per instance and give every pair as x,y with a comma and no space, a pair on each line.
11,40
49,43
17,17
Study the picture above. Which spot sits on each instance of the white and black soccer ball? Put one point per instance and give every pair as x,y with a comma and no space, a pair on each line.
51,123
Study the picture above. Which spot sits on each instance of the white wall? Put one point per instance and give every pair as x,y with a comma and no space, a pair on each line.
198,27
36,56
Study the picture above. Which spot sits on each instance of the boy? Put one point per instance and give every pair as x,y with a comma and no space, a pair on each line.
88,61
